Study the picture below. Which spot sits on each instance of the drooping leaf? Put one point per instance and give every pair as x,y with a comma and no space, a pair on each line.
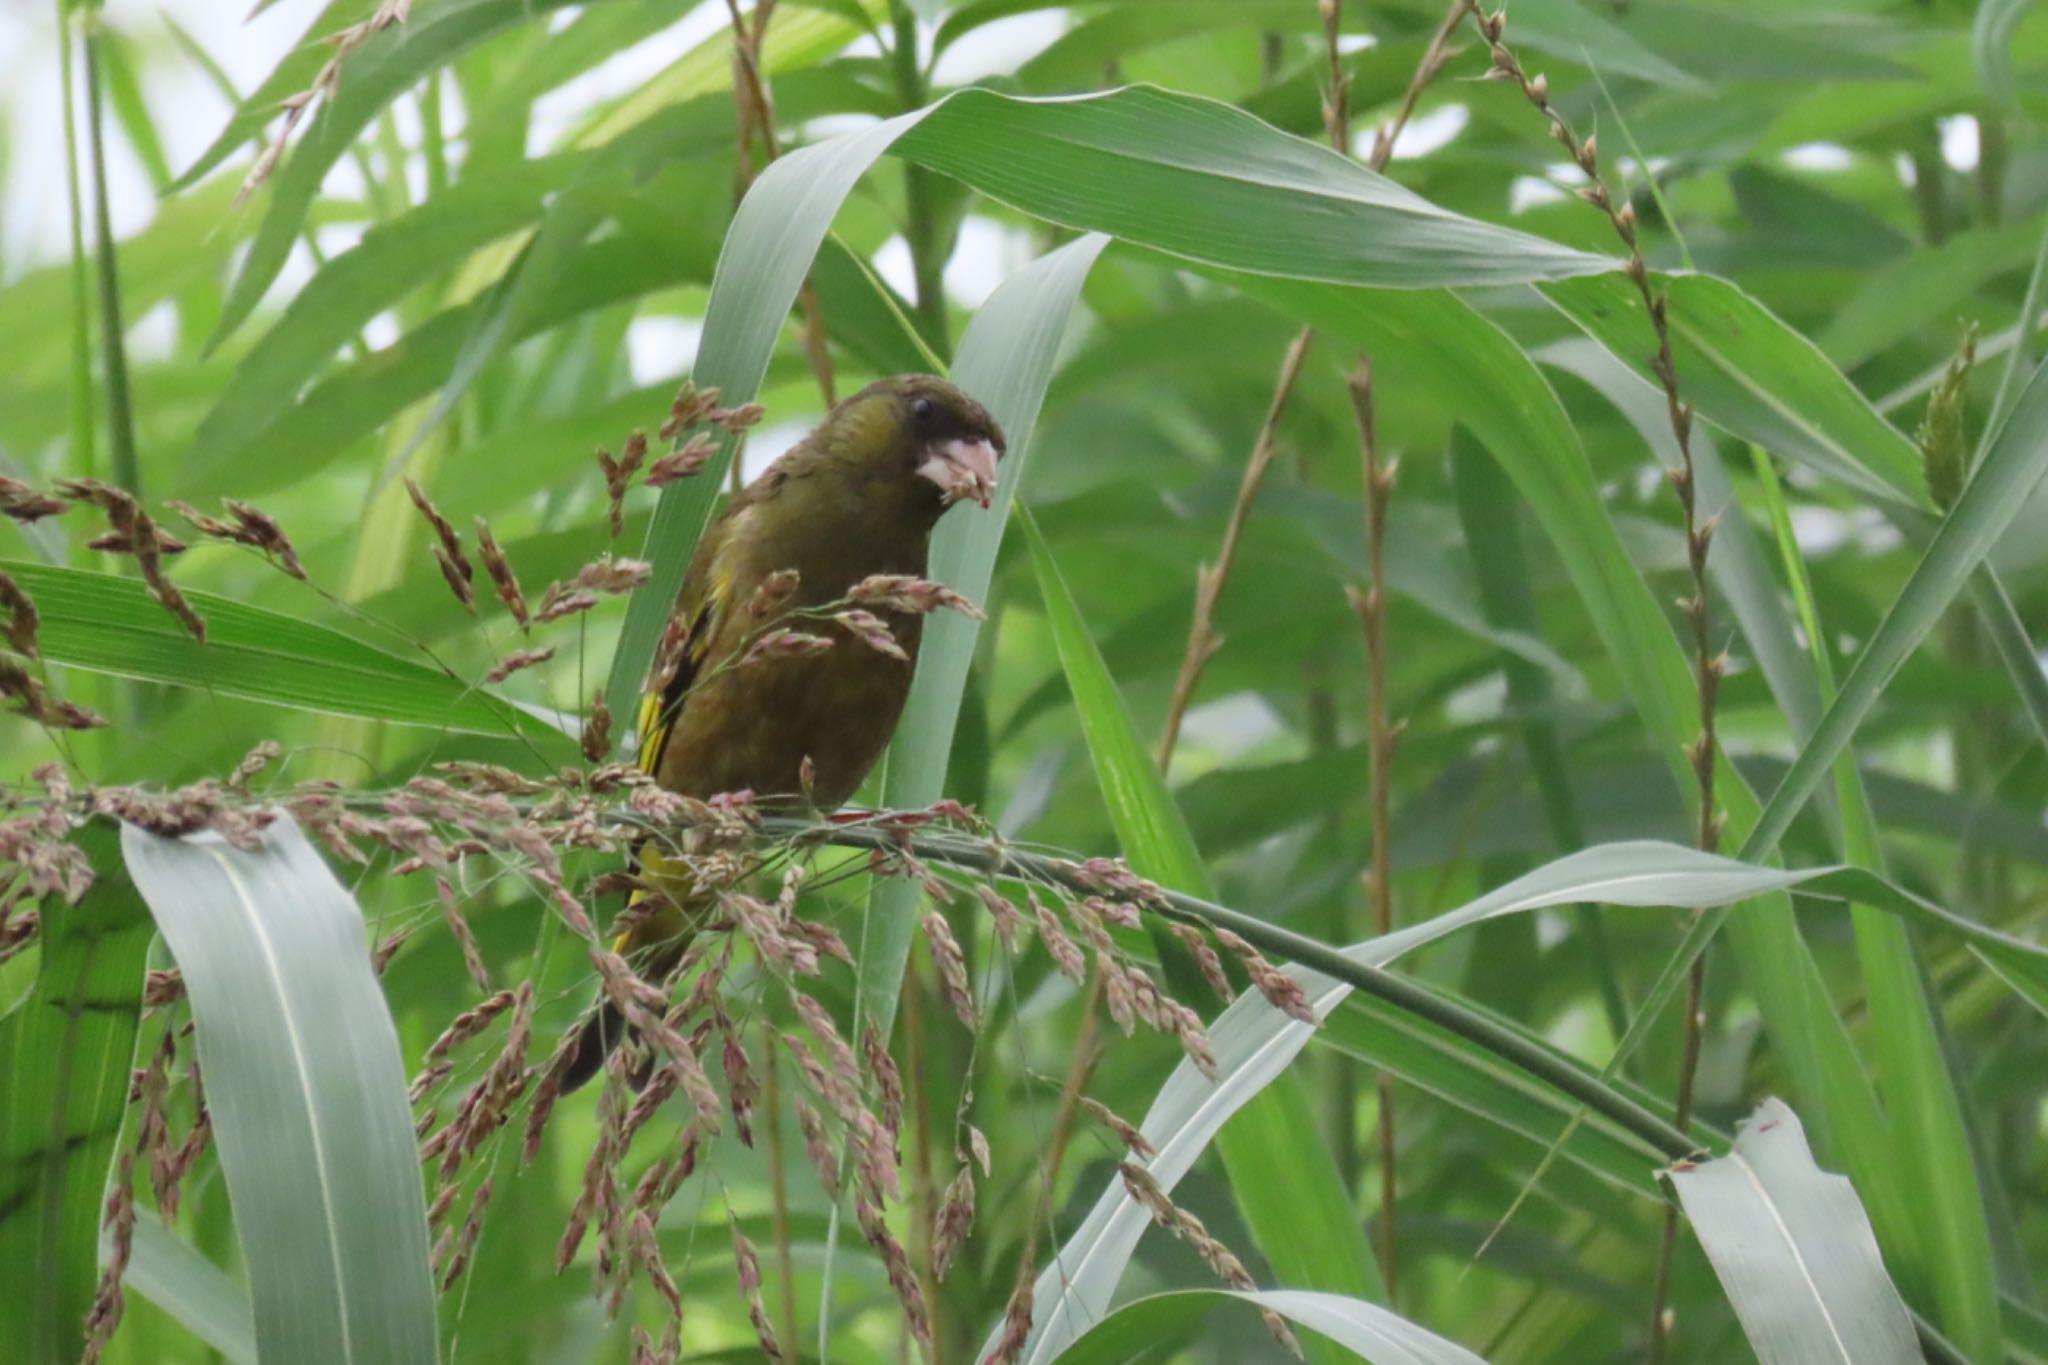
65,1053
307,1091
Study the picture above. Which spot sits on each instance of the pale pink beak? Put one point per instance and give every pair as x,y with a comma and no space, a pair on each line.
962,469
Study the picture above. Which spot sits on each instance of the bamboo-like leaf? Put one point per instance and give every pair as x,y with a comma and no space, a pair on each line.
1754,376
65,1053
1794,1250
1996,491
173,1275
1368,1331
1990,46
1191,177
1005,360
307,1091
1287,1184
1255,1042
111,625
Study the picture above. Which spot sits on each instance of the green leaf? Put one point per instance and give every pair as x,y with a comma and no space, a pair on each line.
1991,43
1365,1329
1188,176
383,67
1005,360
65,1053
1753,376
1996,491
1435,342
307,1091
173,1275
112,625
1255,1043
1286,1181
1794,1250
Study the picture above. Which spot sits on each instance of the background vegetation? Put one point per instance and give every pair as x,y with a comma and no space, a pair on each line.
1659,470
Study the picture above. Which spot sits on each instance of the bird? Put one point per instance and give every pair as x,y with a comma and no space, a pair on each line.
858,497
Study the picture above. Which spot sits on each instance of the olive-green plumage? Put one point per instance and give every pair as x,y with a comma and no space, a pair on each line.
857,497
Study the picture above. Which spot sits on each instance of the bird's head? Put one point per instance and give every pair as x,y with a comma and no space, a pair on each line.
920,437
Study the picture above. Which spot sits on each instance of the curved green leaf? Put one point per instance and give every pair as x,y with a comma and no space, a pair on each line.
112,625
307,1091
1191,177
1794,1250
1367,1330
65,1053
1005,360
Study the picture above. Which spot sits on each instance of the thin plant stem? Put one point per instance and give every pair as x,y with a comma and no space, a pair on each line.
1382,736
778,1186
1210,578
83,455
754,113
921,227
125,467
1210,581
1708,666
924,1204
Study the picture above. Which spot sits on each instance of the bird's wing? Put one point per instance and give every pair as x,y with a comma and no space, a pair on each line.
701,609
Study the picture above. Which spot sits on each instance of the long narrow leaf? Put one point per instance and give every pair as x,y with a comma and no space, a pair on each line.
65,1053
1794,1250
1005,360
1188,176
1255,1042
1309,1234
111,625
1367,1330
307,1091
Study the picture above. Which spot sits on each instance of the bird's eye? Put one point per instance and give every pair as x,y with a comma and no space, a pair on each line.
922,409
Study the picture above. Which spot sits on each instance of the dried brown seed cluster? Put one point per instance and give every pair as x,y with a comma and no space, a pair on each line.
871,630
499,566
618,477
902,592
20,502
133,533
517,660
33,700
326,83
455,565
1188,1228
784,644
251,526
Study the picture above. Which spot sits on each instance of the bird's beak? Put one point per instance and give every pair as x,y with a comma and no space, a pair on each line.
962,469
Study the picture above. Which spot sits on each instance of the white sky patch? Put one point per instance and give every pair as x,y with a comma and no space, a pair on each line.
188,110
660,348
1529,191
892,263
1818,529
837,125
154,335
1428,132
557,111
1228,728
381,331
997,49
766,443
1959,141
1818,156
987,253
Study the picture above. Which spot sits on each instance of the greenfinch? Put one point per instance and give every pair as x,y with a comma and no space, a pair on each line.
739,701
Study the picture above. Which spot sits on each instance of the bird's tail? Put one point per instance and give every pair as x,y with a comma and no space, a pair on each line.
654,946
602,1030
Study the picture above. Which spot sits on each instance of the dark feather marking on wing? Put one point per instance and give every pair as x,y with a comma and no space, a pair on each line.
658,721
